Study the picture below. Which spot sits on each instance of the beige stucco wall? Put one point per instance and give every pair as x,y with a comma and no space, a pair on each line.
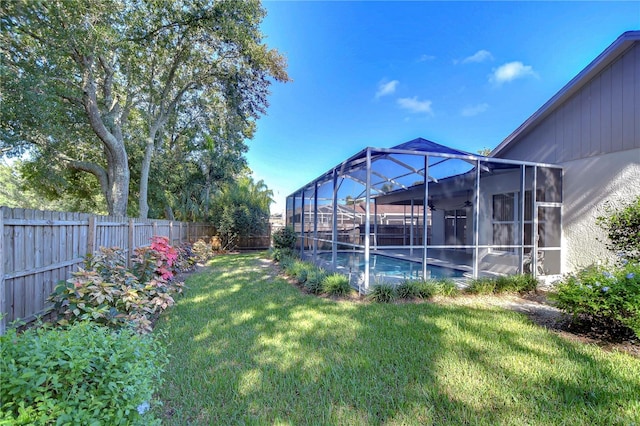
589,184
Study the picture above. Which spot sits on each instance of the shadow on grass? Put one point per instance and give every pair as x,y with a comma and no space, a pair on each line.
248,348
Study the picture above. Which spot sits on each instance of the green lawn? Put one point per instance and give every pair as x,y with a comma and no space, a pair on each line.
250,349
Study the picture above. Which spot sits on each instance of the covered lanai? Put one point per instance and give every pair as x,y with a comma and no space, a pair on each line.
421,210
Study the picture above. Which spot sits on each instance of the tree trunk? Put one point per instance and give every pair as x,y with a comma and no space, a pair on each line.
144,175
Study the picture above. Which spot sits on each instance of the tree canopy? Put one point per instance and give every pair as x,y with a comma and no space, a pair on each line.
160,94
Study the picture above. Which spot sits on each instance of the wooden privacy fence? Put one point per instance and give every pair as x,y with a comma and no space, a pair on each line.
40,248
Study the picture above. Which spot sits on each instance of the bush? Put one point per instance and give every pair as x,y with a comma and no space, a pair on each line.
107,293
285,238
623,230
315,277
446,287
427,289
336,284
483,285
202,251
408,289
383,293
277,254
85,374
520,283
607,295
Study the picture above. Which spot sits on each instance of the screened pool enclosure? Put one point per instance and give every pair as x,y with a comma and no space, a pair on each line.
421,209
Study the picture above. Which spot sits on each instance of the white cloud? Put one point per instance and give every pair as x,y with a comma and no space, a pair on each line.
510,71
471,110
479,56
415,106
424,58
388,88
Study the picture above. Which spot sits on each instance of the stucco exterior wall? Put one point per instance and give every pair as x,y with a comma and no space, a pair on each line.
589,185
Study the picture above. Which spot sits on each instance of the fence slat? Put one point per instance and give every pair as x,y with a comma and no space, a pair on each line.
3,303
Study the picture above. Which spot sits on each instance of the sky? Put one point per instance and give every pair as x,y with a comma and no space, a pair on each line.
462,74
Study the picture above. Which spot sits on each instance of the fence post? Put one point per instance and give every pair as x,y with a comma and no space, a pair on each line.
154,224
171,233
3,301
132,230
91,235
188,234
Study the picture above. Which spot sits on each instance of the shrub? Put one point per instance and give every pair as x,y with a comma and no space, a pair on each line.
336,284
285,238
155,261
446,287
426,289
107,293
408,289
203,251
315,276
607,295
85,374
186,258
482,285
623,230
383,293
277,254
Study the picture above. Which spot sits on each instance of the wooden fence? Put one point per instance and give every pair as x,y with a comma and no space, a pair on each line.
40,248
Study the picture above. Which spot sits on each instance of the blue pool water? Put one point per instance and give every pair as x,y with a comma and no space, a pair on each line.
389,266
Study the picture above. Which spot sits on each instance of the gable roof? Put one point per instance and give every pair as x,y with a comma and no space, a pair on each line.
606,58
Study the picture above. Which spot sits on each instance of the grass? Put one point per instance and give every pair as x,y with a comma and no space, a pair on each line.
248,348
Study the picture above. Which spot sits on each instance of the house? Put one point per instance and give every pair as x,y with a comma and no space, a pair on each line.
531,206
591,128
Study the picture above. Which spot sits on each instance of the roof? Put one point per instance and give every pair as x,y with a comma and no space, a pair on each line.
424,145
606,58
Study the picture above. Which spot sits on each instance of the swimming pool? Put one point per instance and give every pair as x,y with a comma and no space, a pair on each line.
389,266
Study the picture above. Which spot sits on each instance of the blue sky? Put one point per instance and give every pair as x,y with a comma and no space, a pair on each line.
462,74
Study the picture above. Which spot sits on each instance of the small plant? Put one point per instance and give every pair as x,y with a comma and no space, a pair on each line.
202,251
408,289
482,285
426,289
155,261
606,295
336,284
383,293
447,287
278,254
314,281
84,374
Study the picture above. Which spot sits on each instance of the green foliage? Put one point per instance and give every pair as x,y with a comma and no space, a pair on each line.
521,283
446,287
84,374
278,254
314,282
336,285
482,285
623,230
285,238
202,251
409,289
241,209
98,90
607,295
107,293
383,293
